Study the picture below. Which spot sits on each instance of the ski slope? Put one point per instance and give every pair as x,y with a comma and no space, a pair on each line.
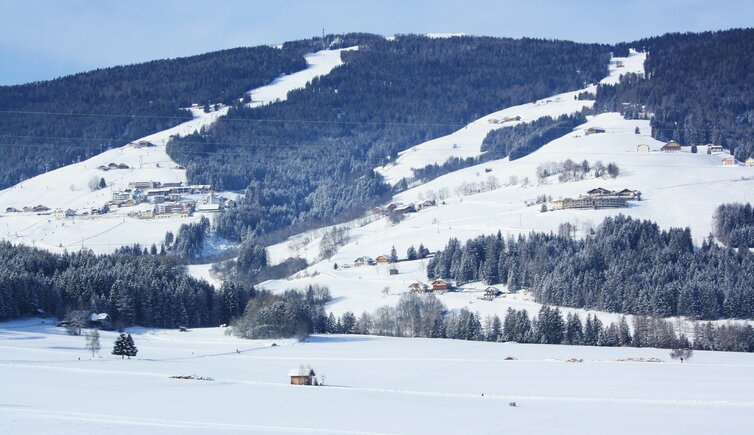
67,187
373,385
467,142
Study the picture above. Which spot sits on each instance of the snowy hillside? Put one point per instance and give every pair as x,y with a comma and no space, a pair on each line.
467,141
424,385
677,189
67,187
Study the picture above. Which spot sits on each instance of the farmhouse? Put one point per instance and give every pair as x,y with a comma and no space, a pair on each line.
428,203
729,161
39,208
595,130
301,376
11,210
181,209
600,192
629,194
144,185
671,147
714,148
442,285
418,287
364,261
643,148
383,259
122,195
60,213
408,208
749,161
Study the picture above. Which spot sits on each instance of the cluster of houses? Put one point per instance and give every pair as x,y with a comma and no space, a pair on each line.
113,166
35,209
168,199
439,285
674,147
503,120
141,144
400,208
599,198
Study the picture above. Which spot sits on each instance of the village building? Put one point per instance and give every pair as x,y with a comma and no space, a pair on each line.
200,188
418,287
209,204
491,293
393,271
729,161
442,285
302,376
600,191
428,203
383,259
11,210
180,209
594,130
643,148
393,205
671,147
714,148
629,194
122,195
100,321
60,213
28,209
364,261
749,161
593,202
40,208
142,185
407,208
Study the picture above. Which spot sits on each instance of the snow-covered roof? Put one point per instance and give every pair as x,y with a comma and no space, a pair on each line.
301,372
97,317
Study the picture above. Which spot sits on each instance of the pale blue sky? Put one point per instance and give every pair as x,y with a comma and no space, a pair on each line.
43,39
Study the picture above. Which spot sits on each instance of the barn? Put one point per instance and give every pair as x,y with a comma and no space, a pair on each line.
671,147
643,148
418,287
441,285
301,376
383,259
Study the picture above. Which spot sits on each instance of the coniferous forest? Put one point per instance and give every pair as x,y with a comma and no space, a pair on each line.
626,266
698,89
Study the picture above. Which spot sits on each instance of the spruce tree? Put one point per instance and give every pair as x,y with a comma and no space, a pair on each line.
121,346
131,349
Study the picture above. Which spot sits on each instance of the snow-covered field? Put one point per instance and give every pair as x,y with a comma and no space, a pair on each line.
51,385
67,187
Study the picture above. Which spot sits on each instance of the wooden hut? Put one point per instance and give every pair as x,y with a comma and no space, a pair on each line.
491,293
301,376
643,148
441,285
671,147
729,161
418,287
383,259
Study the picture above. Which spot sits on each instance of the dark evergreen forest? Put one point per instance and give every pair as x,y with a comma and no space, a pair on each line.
133,287
627,266
128,102
698,89
308,160
734,225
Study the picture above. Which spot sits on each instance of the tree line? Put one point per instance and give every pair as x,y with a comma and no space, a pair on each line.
134,288
734,225
425,316
627,266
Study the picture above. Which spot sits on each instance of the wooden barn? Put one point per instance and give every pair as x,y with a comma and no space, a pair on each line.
364,261
595,130
383,259
671,147
729,161
302,376
442,285
418,287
